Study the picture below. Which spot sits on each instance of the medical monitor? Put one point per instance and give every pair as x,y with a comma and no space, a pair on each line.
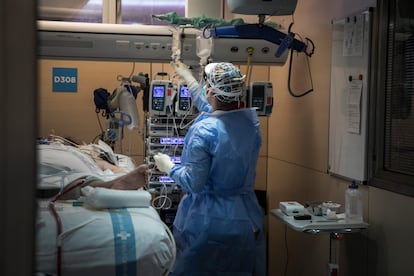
261,97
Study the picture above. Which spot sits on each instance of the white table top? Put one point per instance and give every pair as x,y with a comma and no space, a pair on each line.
319,224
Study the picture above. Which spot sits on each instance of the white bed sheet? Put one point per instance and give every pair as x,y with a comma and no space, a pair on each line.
131,241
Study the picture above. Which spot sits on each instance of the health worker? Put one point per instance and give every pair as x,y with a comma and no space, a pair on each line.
218,227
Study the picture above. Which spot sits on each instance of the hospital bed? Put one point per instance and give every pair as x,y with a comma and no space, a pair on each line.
75,236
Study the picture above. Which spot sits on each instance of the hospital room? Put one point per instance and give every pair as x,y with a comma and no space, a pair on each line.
221,137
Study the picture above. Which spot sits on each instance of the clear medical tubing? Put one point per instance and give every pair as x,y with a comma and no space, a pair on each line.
353,204
176,45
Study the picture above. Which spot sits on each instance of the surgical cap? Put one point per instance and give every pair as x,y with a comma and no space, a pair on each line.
225,80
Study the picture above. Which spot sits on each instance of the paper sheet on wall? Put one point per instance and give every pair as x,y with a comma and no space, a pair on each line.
353,36
354,106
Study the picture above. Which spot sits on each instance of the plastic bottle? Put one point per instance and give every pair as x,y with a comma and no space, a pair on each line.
353,204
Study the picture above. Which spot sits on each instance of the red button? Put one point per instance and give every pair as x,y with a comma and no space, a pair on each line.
269,100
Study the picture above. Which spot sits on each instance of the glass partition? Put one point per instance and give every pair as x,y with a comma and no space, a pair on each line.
73,11
93,11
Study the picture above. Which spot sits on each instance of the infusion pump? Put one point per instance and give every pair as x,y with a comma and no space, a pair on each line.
260,96
161,98
166,98
184,104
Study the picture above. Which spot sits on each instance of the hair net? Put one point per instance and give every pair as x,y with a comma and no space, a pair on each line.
225,80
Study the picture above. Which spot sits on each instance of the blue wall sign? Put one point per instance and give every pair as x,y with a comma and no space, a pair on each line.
65,79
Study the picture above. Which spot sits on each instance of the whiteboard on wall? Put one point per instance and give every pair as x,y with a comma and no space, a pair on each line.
348,118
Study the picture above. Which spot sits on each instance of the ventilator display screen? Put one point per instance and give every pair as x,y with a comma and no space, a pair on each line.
158,91
165,179
176,159
171,140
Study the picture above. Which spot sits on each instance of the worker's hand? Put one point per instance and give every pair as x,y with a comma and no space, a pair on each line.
182,70
163,162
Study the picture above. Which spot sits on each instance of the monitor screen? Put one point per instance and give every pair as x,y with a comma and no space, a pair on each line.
258,97
184,92
176,159
171,140
258,91
165,179
158,91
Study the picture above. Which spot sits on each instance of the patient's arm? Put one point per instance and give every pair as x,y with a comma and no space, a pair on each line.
131,181
105,165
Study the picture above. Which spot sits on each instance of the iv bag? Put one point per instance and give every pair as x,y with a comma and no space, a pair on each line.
204,49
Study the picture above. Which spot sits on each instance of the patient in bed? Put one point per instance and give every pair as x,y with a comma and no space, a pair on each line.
94,218
60,165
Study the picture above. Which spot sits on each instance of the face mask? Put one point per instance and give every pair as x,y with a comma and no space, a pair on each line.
209,97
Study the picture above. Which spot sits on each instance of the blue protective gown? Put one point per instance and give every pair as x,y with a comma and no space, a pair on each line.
219,224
